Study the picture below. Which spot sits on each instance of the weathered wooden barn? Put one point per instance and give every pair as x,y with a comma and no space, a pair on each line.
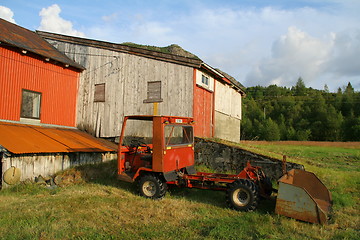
38,98
123,79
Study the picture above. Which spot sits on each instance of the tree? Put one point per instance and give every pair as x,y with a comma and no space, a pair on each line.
326,88
270,131
351,129
300,89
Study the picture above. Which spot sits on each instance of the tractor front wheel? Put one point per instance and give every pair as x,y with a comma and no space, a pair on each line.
151,186
242,195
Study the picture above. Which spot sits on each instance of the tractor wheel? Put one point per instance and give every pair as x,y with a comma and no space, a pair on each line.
242,195
150,186
266,187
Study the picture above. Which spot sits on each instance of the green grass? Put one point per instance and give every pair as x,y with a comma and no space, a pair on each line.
103,208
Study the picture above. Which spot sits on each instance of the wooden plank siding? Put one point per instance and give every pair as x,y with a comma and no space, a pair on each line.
125,77
47,164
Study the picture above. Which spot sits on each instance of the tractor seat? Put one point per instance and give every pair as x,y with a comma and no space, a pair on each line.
146,157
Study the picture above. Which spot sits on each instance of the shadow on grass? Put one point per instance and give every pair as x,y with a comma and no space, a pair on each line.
102,173
217,198
106,174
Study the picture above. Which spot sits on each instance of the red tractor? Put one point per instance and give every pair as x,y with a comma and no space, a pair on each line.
167,157
164,155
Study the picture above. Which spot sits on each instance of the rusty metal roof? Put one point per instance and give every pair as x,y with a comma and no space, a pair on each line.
20,138
14,35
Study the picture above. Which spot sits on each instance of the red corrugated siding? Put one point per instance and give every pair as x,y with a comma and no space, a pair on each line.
203,111
58,87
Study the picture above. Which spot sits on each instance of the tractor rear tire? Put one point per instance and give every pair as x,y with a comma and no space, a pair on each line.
266,186
242,195
151,186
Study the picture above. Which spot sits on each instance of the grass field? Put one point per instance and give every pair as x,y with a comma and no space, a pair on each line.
103,208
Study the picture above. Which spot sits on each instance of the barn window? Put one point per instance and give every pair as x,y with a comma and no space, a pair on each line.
153,92
205,80
99,95
30,104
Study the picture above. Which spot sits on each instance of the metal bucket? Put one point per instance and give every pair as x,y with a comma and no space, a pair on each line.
303,196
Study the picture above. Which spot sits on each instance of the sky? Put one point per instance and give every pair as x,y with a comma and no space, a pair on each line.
259,42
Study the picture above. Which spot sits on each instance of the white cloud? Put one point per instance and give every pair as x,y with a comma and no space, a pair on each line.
268,45
52,22
7,14
293,55
345,54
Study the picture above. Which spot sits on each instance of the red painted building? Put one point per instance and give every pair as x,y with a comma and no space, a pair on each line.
38,84
38,95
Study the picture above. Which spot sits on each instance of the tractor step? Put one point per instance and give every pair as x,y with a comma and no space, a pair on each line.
126,177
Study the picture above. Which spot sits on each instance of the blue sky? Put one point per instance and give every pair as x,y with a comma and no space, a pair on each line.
259,42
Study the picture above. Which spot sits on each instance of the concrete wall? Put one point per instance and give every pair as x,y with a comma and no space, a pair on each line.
33,165
227,112
227,127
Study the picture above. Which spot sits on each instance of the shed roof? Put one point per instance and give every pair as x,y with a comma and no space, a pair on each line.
16,36
21,138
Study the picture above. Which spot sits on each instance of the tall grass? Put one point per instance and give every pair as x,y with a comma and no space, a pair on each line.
103,208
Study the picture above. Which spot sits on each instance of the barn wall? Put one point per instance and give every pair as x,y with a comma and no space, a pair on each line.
33,165
125,77
19,71
227,112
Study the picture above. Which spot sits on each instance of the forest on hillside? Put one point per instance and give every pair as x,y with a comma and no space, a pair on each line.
300,113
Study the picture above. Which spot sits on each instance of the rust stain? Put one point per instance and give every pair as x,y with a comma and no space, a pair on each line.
32,42
287,208
303,196
20,138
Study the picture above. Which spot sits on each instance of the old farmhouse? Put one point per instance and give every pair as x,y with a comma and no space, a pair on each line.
38,98
127,79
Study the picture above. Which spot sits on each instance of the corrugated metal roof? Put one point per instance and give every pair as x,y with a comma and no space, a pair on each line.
20,138
25,39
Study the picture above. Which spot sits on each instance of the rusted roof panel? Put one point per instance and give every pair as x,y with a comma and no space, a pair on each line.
20,138
25,39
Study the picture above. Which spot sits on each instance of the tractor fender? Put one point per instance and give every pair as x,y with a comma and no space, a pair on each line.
140,171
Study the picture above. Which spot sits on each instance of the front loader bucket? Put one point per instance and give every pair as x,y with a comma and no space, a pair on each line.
303,196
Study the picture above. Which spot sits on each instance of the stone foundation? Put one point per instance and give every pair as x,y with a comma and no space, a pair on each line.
224,158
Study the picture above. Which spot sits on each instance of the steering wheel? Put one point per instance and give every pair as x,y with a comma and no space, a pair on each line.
137,143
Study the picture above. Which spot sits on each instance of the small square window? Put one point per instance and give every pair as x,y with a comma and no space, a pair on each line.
205,80
30,104
153,92
99,94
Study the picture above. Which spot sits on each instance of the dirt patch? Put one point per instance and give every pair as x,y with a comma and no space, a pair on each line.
354,145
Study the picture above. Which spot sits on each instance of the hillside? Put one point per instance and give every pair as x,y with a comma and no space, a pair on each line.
299,113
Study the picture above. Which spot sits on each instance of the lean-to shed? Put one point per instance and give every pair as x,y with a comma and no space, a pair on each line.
38,87
126,79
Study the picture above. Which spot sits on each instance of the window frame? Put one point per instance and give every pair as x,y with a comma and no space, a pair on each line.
150,99
167,138
22,104
207,83
97,94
